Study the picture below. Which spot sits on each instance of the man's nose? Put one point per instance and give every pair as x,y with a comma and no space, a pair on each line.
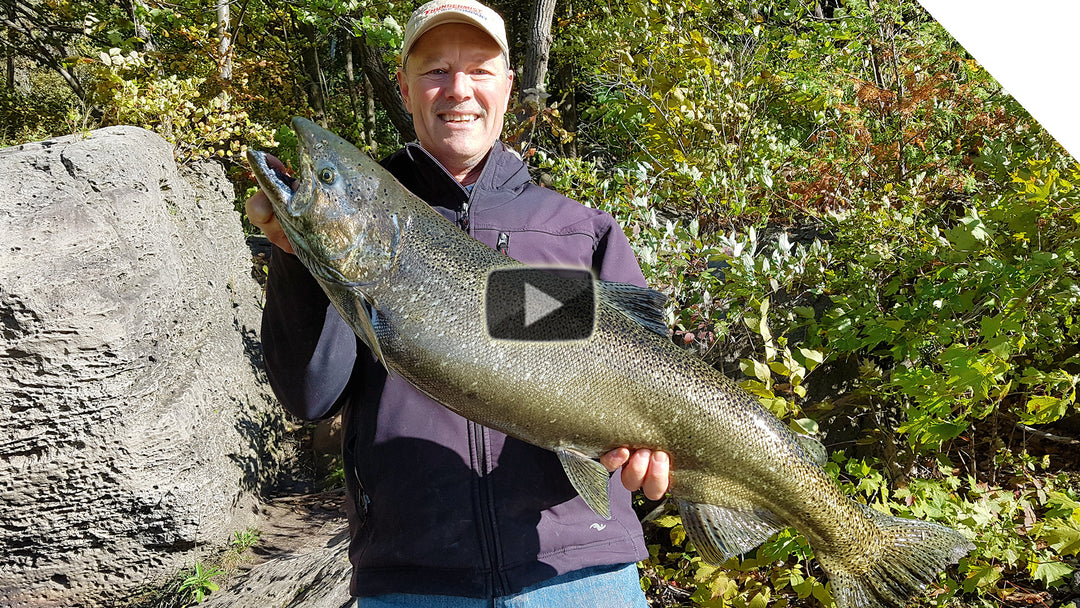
459,87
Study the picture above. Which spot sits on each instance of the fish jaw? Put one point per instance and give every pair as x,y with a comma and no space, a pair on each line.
271,181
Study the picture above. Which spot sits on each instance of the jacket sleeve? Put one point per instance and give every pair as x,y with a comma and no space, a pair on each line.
308,348
613,259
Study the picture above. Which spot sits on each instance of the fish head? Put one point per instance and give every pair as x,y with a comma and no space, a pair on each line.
336,220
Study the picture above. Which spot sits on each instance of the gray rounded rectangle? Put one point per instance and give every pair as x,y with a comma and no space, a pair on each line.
540,304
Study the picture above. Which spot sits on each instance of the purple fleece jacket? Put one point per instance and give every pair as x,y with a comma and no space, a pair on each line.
438,504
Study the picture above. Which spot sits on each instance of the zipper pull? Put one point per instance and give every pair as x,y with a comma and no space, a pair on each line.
503,243
463,219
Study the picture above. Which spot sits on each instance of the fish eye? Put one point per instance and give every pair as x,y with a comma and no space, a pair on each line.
327,175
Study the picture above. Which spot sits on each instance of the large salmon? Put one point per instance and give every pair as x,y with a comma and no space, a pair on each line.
390,263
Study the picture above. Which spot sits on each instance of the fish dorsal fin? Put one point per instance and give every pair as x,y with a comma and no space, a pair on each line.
813,449
643,305
721,532
589,478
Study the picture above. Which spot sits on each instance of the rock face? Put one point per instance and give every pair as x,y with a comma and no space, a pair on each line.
137,427
301,559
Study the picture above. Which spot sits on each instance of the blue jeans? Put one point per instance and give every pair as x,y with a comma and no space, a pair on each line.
597,587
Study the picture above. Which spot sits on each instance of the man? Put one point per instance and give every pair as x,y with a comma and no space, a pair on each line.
442,511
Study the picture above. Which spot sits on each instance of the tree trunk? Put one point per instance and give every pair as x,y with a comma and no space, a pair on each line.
564,83
386,90
369,117
313,69
141,32
224,41
368,100
8,98
537,49
350,77
531,90
9,51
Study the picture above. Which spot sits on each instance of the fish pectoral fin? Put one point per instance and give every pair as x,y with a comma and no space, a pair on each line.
721,532
369,319
642,305
589,478
813,449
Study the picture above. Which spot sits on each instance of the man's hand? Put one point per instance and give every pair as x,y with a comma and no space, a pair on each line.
644,469
261,213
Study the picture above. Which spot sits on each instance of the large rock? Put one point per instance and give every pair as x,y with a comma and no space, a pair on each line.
136,420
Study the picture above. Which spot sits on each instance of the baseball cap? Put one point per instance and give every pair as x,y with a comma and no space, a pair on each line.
439,12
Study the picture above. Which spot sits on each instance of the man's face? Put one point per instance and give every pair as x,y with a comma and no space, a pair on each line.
456,86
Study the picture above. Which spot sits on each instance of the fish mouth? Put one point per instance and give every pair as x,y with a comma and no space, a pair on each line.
276,185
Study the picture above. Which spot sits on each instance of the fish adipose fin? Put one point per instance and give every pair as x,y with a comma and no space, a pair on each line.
813,449
589,478
721,532
908,557
642,305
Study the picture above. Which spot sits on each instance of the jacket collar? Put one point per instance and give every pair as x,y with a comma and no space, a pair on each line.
503,175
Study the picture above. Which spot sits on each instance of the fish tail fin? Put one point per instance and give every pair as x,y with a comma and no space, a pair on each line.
909,556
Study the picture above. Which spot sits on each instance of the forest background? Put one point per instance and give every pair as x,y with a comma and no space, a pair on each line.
847,213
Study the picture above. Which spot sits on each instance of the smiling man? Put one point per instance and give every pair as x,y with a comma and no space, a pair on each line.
445,512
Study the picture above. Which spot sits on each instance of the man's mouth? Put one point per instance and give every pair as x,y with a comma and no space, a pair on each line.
459,117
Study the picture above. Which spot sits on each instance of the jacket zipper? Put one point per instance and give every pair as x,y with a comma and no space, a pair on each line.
504,243
463,219
478,437
486,500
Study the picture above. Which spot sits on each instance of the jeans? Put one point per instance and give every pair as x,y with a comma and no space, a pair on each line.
597,587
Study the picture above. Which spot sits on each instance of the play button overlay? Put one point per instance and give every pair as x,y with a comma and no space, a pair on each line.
540,304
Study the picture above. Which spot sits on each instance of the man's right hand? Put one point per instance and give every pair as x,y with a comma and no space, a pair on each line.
261,213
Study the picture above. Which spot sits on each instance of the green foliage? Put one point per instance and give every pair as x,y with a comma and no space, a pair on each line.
185,111
49,109
1028,535
199,584
243,540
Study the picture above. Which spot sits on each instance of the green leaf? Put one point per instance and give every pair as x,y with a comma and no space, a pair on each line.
1062,535
761,372
1051,574
678,535
667,521
806,426
981,576
1043,409
813,358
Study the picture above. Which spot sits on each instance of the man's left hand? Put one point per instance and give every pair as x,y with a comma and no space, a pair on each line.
643,469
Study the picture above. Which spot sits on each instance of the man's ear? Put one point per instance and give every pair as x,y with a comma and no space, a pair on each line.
510,89
403,86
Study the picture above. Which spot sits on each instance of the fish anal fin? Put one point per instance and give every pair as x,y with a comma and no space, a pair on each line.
589,478
723,532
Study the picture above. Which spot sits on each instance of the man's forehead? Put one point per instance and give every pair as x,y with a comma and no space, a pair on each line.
453,37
